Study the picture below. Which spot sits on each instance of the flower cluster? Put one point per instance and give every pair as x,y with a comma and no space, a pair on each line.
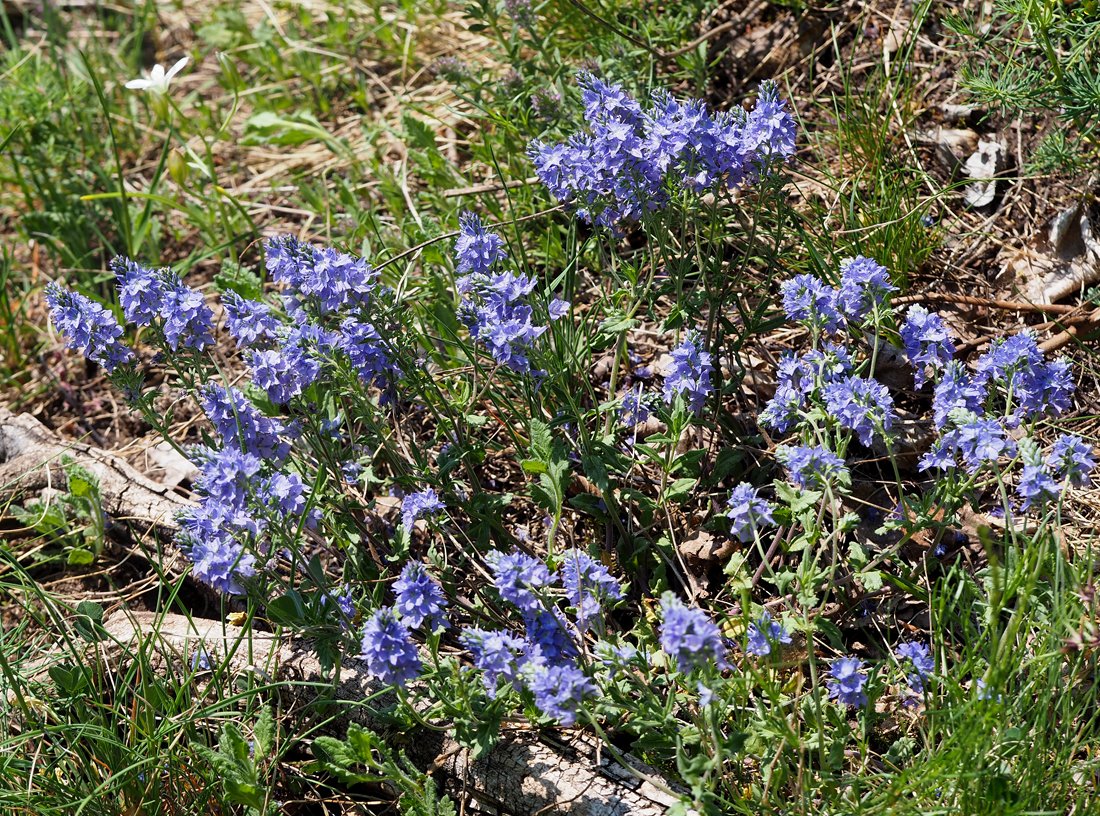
241,425
634,408
764,634
920,659
493,306
976,415
928,344
689,374
588,586
799,378
88,327
420,505
812,466
861,406
387,644
544,659
748,512
158,296
388,649
419,598
846,682
688,636
632,159
327,293
864,287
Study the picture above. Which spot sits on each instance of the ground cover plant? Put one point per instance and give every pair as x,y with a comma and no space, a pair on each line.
535,377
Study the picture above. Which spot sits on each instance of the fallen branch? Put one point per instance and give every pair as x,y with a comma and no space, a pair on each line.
31,460
523,774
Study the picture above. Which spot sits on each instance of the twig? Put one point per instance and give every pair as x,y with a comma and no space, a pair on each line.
489,187
970,300
714,32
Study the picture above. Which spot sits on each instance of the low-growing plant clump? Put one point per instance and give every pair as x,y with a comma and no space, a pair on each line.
634,458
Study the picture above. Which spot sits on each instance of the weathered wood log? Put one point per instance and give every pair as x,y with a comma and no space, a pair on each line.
524,774
31,460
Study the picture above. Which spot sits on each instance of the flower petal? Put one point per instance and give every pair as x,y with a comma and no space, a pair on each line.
175,69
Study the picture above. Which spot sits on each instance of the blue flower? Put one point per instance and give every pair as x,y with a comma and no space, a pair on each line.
344,602
250,322
848,679
477,249
419,598
288,370
689,374
390,653
688,636
864,284
493,307
88,327
1036,487
367,352
978,441
764,633
220,562
548,636
862,406
226,475
147,294
808,300
748,512
497,655
424,504
516,576
630,158
1031,386
955,391
322,279
928,343
634,409
588,585
559,690
921,660
811,466
283,493
241,425
213,537
558,308
1071,459
140,290
769,131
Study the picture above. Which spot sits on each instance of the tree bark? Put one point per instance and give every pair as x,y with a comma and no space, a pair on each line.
525,774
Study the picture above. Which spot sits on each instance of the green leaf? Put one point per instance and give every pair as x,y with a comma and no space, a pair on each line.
264,733
679,489
267,127
796,498
288,609
533,466
88,621
79,558
541,440
342,758
420,134
737,569
871,580
235,277
82,486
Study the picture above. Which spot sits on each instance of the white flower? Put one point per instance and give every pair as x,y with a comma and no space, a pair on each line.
157,79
